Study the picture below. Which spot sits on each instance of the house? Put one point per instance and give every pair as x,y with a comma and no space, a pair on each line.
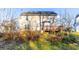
36,21
77,23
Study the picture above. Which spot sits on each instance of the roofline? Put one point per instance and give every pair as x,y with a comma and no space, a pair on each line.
77,15
44,13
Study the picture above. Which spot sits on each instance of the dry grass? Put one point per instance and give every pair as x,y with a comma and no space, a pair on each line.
75,33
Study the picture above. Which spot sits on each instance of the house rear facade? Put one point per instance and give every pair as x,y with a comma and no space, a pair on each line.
36,21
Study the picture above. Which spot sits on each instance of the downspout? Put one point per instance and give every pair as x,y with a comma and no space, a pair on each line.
40,21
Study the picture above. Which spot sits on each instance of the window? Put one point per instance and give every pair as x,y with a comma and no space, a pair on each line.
26,17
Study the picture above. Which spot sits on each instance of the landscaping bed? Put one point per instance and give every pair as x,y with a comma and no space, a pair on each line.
30,40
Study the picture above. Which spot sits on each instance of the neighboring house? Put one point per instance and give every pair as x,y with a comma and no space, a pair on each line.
77,23
36,20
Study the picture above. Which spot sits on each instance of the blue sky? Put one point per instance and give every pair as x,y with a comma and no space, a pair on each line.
17,11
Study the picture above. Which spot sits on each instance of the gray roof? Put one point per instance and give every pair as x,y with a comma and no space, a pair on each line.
77,15
45,13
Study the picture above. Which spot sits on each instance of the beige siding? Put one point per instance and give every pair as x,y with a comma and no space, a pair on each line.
34,21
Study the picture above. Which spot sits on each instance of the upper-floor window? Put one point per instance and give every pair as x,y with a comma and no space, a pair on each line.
26,17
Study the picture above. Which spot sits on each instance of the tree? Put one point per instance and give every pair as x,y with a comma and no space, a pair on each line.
66,21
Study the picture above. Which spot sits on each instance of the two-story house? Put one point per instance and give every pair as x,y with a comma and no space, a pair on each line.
40,20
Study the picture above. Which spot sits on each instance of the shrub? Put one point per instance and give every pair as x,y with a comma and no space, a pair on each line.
22,46
69,39
33,45
31,35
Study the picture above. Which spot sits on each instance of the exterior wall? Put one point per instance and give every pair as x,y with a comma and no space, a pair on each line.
77,24
22,22
77,29
33,21
46,26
